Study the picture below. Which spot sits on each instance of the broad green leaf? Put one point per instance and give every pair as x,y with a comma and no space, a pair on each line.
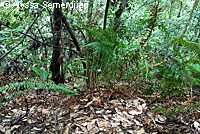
37,71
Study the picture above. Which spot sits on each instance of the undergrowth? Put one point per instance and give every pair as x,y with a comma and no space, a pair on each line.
174,111
12,90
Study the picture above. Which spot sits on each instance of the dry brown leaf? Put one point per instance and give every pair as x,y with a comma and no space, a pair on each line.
134,112
103,124
141,131
91,124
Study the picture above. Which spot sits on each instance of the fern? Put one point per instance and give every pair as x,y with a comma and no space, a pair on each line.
172,113
18,88
194,47
102,53
192,63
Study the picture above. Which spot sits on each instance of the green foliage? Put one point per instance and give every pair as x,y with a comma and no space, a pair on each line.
173,112
102,54
13,89
181,71
147,34
191,46
190,62
75,68
41,73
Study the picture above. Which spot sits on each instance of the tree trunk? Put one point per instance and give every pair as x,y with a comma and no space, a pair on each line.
119,13
55,61
171,8
180,9
195,5
106,14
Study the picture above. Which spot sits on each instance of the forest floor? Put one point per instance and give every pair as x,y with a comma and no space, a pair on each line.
100,111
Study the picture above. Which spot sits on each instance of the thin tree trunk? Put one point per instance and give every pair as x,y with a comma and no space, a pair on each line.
119,13
106,14
55,61
180,9
75,41
190,16
171,8
89,18
89,15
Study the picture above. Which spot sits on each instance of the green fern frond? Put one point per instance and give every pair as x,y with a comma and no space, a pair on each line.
102,35
178,109
192,46
18,88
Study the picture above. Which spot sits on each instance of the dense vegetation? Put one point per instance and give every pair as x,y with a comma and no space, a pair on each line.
152,46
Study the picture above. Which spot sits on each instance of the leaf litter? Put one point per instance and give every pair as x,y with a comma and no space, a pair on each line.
101,111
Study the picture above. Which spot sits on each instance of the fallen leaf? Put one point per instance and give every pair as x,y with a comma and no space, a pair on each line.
141,131
134,112
197,125
103,124
91,124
